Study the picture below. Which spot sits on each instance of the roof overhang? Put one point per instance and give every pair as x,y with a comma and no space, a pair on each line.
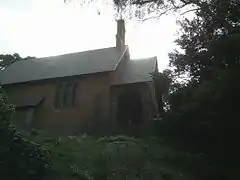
30,103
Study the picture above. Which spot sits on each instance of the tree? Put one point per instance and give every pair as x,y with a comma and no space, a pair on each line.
207,42
156,8
203,112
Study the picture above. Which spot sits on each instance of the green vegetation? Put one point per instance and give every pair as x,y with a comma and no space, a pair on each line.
19,157
205,109
116,157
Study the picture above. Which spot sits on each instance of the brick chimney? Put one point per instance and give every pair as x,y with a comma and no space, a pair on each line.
120,37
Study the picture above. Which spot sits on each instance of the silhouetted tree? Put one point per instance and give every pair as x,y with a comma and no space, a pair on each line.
204,111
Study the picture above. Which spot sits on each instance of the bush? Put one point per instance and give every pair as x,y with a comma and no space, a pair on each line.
115,157
19,157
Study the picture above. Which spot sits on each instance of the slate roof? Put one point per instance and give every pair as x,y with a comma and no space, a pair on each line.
135,71
87,62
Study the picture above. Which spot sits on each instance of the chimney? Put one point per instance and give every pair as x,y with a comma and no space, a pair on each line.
120,37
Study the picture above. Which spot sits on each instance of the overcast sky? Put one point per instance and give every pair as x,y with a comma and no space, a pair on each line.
49,27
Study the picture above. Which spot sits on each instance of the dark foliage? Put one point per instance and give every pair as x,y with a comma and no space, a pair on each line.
210,41
204,112
19,157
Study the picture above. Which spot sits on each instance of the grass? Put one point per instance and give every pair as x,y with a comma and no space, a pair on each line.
115,157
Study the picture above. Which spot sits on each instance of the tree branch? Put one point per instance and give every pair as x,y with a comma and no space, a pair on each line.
142,2
189,11
158,16
173,4
204,6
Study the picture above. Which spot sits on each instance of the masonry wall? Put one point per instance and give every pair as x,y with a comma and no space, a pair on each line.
92,91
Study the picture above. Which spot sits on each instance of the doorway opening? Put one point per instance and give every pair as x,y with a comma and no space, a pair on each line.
129,108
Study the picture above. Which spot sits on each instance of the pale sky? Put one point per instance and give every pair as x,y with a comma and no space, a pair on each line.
49,27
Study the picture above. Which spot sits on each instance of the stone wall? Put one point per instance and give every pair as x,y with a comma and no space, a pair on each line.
92,91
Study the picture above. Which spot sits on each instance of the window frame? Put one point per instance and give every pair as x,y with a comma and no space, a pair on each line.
65,95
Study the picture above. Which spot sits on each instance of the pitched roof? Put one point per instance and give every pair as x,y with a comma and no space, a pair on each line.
87,62
135,71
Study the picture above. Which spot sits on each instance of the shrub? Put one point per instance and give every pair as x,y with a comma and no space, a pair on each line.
114,157
19,157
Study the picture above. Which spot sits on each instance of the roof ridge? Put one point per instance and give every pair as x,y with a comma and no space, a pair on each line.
91,50
86,62
120,58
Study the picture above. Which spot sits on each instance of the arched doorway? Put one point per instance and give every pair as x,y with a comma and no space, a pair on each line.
130,108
